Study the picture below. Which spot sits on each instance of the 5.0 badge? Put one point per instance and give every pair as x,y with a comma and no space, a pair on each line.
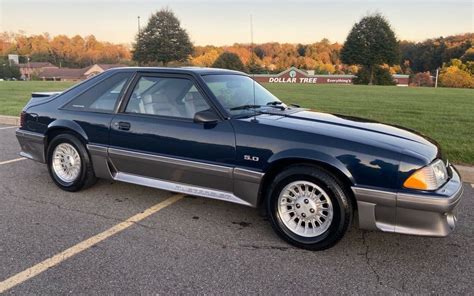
251,158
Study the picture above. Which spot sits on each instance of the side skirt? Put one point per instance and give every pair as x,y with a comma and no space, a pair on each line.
245,183
178,187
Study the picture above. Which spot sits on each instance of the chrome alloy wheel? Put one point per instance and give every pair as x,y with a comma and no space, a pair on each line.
305,208
66,162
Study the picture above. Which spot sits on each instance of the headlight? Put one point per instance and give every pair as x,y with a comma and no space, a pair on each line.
430,177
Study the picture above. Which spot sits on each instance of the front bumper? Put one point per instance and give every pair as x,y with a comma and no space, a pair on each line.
32,145
428,214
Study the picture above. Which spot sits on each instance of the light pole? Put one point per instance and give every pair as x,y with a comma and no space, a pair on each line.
138,27
138,39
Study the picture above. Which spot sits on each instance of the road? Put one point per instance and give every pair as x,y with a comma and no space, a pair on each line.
201,246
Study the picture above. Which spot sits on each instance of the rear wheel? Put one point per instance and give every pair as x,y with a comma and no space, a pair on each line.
69,163
308,207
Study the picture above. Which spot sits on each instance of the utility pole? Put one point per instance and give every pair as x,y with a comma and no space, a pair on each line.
251,61
251,30
138,38
139,26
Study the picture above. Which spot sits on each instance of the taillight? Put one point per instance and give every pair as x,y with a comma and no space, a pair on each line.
22,119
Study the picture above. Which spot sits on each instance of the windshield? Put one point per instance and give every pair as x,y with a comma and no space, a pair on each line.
236,94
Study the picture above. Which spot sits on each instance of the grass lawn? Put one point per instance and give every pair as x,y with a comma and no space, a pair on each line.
446,115
15,94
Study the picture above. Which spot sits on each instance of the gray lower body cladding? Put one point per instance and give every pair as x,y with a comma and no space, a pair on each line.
231,184
32,145
416,214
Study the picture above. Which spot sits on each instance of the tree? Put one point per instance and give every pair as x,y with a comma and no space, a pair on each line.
370,43
206,58
259,52
8,71
421,79
454,77
456,74
229,60
162,40
380,76
254,67
468,56
301,49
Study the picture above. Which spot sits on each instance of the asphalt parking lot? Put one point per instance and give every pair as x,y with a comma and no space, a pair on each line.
201,246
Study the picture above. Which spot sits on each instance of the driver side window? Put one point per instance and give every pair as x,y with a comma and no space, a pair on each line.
164,96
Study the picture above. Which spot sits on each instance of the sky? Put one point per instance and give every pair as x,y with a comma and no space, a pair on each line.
226,22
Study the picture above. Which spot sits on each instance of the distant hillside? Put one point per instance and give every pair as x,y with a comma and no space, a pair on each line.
432,53
321,56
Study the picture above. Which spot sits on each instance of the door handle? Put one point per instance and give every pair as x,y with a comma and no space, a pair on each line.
122,125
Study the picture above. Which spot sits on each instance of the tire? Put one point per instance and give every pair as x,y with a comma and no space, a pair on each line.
309,207
83,176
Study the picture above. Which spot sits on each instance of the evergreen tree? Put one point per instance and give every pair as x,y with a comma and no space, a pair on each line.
9,72
162,40
370,43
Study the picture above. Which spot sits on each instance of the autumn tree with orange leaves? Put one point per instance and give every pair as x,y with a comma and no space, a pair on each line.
61,50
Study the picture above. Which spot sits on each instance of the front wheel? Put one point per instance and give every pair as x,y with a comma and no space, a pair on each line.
309,207
69,164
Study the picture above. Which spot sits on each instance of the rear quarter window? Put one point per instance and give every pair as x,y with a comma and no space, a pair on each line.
101,97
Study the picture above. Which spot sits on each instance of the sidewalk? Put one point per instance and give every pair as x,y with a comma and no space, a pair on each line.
11,120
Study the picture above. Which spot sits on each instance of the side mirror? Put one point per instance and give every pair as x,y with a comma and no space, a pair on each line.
206,117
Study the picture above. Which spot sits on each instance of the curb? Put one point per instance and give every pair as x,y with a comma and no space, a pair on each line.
11,120
467,172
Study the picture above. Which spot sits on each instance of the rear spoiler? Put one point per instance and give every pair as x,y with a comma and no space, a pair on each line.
44,94
40,97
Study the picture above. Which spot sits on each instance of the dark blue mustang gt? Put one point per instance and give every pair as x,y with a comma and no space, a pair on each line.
217,134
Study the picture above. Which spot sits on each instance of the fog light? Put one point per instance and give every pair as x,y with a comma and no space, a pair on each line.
451,219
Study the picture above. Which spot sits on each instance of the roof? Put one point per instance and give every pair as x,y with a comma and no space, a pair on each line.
196,70
36,65
64,73
110,66
75,74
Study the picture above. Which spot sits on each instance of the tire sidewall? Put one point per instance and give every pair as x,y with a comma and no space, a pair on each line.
79,146
342,211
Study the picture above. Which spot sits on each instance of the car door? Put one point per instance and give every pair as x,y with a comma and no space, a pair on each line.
154,138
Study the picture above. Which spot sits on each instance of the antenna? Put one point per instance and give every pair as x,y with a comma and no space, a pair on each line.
252,74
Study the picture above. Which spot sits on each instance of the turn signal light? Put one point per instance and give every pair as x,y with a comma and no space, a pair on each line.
417,181
430,177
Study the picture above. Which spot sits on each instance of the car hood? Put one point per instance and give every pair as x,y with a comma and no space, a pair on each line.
362,131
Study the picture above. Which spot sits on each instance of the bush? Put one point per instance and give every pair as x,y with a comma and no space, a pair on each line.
8,72
421,79
382,76
452,76
229,60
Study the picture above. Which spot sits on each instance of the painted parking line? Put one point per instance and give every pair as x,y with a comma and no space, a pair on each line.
12,160
84,245
7,127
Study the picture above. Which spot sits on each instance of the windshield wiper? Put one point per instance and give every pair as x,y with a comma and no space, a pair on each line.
245,107
276,104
